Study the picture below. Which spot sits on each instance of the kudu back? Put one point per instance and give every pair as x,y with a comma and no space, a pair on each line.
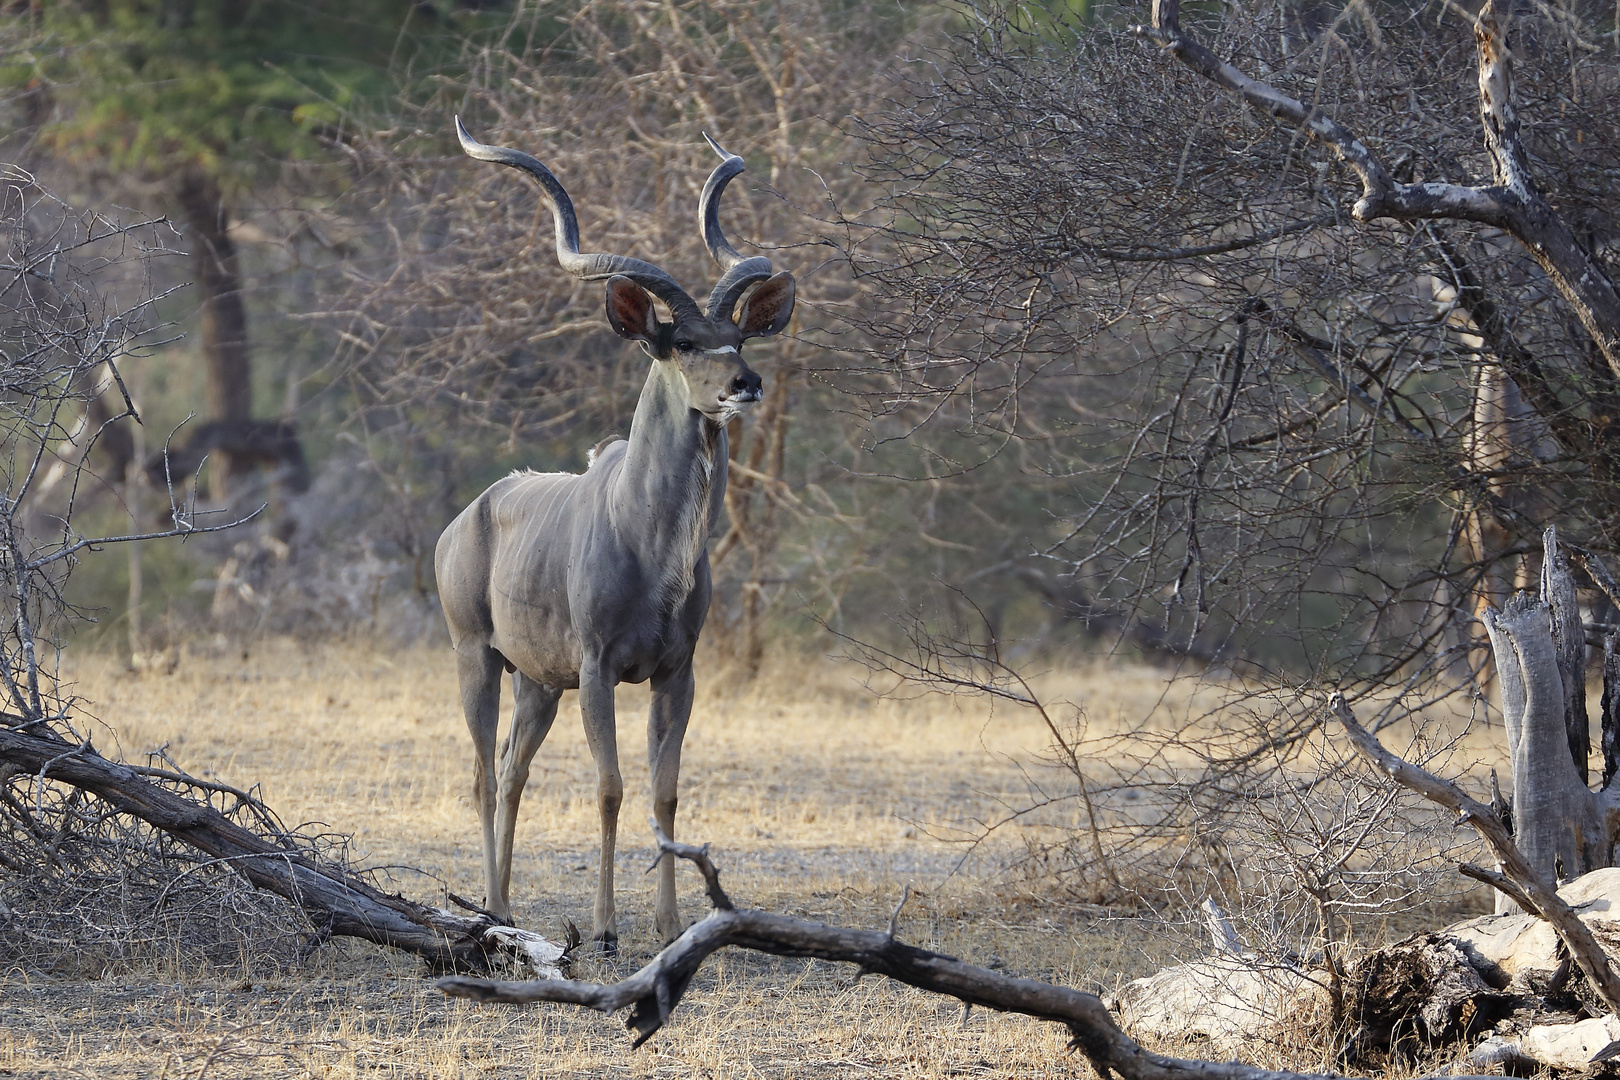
589,580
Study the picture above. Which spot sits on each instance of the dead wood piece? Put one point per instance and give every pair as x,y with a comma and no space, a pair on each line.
1223,937
1232,1004
699,857
1518,942
338,902
1559,823
1419,994
1565,1047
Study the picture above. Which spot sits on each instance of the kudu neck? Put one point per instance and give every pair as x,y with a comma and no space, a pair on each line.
664,488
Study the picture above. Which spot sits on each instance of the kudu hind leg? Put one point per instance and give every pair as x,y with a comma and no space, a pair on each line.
534,707
596,709
479,670
666,728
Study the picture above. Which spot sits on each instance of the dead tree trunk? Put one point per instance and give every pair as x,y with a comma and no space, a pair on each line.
1540,645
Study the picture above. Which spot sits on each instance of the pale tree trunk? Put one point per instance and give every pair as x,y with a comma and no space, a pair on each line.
1488,452
1560,824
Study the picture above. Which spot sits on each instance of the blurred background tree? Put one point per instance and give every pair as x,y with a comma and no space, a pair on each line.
197,107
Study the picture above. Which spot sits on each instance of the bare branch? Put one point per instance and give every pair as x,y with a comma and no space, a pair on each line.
1147,253
1500,882
1382,195
1512,204
699,856
164,534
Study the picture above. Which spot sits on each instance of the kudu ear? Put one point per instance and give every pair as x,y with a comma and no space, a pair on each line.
630,311
767,307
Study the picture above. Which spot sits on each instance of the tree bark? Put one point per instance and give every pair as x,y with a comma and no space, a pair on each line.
1569,644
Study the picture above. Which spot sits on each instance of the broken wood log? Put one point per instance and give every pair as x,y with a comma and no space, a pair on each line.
1571,1047
1230,1005
1412,997
336,901
1404,1000
1421,994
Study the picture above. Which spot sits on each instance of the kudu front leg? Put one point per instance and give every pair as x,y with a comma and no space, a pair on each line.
596,708
479,671
534,707
666,728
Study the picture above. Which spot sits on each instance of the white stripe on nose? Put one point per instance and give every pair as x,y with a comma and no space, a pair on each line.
721,349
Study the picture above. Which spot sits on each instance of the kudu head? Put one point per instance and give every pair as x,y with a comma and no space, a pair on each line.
748,301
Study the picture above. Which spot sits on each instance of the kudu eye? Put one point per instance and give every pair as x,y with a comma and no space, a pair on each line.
684,346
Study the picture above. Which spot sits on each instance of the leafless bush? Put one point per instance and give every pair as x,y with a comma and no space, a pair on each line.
1233,815
88,890
1284,444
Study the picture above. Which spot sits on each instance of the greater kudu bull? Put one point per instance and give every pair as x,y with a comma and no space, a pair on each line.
599,578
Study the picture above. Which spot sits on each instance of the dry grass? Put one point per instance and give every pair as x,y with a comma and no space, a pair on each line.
819,798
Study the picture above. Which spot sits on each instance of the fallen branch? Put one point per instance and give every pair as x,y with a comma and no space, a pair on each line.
1522,884
336,901
652,993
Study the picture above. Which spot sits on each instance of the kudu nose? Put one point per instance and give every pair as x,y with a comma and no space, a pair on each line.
749,385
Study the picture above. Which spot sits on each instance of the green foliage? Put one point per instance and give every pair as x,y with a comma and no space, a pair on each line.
147,86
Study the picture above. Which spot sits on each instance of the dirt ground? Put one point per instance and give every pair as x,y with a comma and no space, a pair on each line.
820,799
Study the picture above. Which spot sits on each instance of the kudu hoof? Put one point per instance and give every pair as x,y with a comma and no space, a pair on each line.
605,944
